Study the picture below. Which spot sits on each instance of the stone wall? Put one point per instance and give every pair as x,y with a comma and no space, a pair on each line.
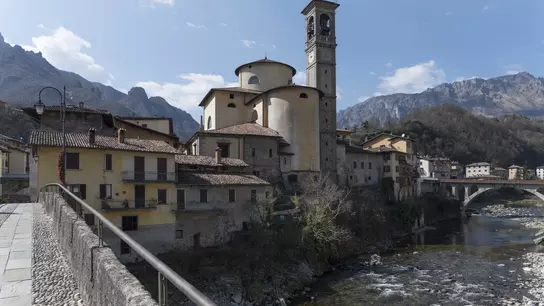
101,278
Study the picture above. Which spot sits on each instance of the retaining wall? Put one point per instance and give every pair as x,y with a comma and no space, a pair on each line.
102,280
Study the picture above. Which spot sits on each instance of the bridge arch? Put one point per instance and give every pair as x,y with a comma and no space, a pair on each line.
481,190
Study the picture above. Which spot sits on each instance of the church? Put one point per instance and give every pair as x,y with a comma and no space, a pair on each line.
282,130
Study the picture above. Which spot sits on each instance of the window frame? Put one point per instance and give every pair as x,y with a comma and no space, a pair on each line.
70,155
132,223
232,195
106,156
203,196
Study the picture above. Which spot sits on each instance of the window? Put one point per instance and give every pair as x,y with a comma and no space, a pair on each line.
89,219
292,178
80,190
194,149
179,234
362,165
231,105
267,194
203,195
285,160
107,162
270,153
72,161
161,196
232,195
125,248
224,149
231,96
253,195
144,125
369,165
303,96
209,126
253,80
351,177
245,226
354,165
386,168
129,223
397,169
105,191
256,173
252,152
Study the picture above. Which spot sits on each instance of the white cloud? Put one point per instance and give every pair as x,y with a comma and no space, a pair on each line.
461,78
300,78
189,92
513,69
65,50
413,79
339,93
274,46
248,43
196,26
223,24
167,2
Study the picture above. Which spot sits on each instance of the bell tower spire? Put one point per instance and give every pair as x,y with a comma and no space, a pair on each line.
321,73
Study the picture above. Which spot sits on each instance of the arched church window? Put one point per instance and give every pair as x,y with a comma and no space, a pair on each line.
231,105
325,24
254,116
209,125
253,80
303,96
311,27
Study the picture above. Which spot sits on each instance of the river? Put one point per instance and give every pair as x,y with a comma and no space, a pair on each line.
479,261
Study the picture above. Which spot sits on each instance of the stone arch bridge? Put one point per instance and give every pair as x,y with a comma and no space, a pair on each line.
486,185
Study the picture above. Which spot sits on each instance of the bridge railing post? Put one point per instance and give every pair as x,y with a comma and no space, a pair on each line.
163,290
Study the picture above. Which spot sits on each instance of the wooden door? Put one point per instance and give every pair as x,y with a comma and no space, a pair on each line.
139,196
139,168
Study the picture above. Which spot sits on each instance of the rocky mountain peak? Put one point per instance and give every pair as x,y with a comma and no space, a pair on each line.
137,93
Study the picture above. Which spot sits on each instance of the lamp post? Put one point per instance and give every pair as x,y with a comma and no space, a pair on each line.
40,108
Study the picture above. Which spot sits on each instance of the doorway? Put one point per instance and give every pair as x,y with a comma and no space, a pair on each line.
139,168
139,196
196,241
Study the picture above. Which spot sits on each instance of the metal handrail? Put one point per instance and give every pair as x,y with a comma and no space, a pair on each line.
164,271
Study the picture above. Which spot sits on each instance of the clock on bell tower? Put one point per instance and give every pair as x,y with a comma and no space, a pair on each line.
321,74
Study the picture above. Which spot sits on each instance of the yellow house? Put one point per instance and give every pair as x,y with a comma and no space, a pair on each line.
131,181
15,159
399,162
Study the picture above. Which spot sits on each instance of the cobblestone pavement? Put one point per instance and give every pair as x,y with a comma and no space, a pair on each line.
53,281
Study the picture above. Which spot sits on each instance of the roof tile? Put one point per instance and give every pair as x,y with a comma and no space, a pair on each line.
199,160
250,129
211,179
81,140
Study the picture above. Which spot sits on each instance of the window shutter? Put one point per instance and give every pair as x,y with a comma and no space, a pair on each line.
83,191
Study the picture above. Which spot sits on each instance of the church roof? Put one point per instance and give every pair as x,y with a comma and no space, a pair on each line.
265,61
313,3
250,129
230,89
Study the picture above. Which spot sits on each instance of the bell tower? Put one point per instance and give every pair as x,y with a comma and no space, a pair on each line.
321,74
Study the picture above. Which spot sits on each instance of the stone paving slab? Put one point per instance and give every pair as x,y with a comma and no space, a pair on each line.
15,254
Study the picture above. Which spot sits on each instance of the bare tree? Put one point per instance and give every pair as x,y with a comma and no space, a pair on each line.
321,204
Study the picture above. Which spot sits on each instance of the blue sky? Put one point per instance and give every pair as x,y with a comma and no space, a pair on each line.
181,48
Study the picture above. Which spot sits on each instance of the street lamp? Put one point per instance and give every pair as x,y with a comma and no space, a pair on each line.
40,108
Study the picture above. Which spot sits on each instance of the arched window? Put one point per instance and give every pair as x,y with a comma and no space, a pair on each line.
209,125
325,24
232,105
310,28
254,116
253,80
303,96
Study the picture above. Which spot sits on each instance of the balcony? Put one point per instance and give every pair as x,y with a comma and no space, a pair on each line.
127,205
195,207
149,176
15,176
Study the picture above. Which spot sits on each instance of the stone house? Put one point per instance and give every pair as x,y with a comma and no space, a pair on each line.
515,172
357,167
457,171
478,169
214,199
500,172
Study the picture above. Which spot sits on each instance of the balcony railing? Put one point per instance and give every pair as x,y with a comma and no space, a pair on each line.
20,176
148,176
193,206
121,205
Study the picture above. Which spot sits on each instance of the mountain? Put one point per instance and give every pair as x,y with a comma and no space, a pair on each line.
451,131
24,73
521,93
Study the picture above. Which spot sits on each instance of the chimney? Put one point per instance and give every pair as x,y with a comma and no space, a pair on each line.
121,135
218,155
81,104
92,136
201,123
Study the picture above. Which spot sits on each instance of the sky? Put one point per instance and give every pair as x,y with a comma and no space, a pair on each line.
179,49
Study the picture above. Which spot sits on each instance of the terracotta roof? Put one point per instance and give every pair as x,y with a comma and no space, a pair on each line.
172,136
210,179
229,89
251,128
199,160
384,149
72,109
81,140
265,61
391,136
479,164
3,148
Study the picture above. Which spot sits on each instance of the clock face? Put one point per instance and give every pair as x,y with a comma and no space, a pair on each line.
311,57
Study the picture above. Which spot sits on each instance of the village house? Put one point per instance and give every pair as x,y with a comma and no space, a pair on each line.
131,181
478,169
540,172
457,171
500,172
515,172
434,167
15,165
